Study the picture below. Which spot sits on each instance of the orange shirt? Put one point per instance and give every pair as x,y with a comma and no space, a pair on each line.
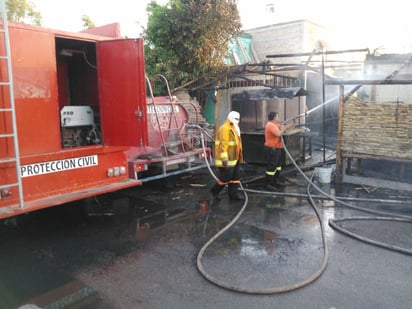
271,139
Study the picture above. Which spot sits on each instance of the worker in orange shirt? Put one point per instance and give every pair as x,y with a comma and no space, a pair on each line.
228,157
273,149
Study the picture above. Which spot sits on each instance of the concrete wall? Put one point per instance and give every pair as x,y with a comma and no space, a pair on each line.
291,37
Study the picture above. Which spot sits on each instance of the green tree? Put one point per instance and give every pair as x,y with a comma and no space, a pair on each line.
189,39
22,11
87,22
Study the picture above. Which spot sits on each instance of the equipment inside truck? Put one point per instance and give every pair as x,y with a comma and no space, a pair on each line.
78,92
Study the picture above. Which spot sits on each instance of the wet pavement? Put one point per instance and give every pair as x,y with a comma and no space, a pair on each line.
65,258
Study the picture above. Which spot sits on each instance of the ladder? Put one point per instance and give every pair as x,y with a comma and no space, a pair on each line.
177,141
9,145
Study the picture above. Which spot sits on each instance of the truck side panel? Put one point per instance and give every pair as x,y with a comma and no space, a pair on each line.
35,90
59,118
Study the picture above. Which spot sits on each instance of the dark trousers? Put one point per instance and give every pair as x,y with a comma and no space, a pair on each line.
229,176
273,158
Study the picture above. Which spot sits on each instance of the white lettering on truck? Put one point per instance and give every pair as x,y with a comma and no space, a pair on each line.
58,166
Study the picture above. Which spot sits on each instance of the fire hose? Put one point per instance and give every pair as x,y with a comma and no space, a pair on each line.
228,286
387,216
332,223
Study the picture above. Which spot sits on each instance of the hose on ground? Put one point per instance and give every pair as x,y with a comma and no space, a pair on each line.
273,290
332,222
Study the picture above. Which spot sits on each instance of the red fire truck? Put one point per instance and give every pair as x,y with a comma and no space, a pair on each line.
78,119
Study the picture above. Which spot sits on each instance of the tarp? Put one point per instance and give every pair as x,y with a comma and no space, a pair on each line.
241,51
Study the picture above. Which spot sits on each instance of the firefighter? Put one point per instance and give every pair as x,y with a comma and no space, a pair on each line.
273,149
228,157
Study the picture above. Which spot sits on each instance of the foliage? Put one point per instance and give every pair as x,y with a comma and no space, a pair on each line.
189,39
22,11
87,22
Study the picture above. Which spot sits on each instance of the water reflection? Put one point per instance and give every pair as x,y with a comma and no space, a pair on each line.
329,190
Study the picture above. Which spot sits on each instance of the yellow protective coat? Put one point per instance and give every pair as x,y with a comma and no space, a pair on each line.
228,146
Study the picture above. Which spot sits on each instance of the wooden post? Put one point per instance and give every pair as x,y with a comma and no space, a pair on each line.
217,110
339,164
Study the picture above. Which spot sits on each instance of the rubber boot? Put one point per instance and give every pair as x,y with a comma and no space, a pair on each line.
270,183
216,189
234,193
277,182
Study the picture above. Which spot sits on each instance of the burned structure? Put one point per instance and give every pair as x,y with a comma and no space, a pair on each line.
375,135
276,61
372,127
255,105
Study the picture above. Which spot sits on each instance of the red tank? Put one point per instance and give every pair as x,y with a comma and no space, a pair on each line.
165,121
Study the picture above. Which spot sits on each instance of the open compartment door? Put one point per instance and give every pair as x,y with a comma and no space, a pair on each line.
122,88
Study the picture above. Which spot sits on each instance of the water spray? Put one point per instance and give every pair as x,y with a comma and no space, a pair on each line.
349,93
319,272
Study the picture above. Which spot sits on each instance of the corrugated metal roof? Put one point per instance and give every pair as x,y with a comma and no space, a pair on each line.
270,94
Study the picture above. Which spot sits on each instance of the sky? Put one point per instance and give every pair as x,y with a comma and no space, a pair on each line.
66,15
353,23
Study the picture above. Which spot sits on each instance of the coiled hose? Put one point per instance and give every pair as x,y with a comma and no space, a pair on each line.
273,290
332,223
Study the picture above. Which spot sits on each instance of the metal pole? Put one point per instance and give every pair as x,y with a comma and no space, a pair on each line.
324,107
